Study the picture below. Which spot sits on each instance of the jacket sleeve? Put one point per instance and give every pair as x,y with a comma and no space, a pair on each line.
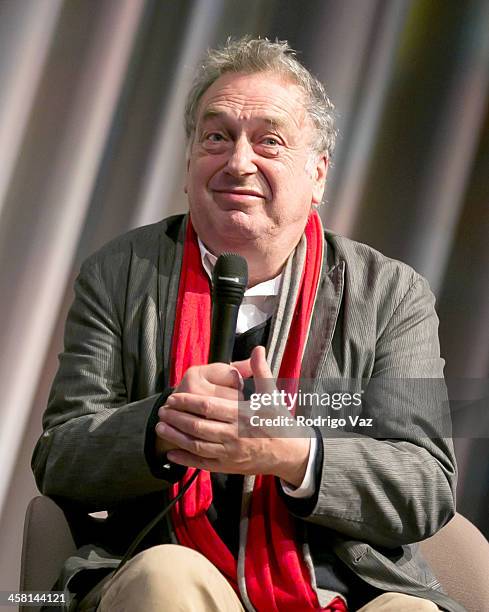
397,486
92,451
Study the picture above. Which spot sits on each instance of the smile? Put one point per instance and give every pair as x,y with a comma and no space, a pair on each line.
238,195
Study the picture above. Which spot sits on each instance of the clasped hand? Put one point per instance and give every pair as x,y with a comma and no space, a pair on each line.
199,423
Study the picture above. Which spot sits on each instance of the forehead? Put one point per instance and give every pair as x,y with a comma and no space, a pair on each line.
266,96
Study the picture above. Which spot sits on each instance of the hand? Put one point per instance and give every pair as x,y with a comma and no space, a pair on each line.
213,380
201,419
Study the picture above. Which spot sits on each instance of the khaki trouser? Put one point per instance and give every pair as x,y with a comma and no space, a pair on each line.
175,578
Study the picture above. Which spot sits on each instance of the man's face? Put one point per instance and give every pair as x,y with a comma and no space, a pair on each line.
248,179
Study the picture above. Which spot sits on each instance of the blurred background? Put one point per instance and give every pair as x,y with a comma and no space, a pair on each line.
92,144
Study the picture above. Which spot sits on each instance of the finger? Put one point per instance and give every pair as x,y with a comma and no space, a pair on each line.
222,375
243,367
223,392
213,408
215,379
182,440
198,427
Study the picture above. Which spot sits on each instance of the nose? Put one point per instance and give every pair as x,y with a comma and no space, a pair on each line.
240,162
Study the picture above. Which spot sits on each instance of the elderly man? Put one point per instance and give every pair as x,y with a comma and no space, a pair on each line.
270,523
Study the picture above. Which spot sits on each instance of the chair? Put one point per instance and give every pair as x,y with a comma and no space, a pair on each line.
458,554
48,540
46,544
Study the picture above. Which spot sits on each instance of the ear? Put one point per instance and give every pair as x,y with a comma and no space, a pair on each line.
320,170
185,186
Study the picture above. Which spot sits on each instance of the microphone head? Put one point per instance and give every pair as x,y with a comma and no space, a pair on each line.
230,278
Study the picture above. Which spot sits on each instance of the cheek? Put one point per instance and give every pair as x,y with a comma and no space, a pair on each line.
201,171
291,183
292,195
194,180
289,172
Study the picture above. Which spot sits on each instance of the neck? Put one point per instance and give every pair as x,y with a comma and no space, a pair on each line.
263,263
262,268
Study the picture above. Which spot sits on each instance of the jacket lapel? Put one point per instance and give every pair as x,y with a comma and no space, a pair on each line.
170,263
324,316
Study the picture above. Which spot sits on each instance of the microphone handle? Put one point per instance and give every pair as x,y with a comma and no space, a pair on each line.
223,332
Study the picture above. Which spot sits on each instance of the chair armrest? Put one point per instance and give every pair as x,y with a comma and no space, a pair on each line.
459,556
47,542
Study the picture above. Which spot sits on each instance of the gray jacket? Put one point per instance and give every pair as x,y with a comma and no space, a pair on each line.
374,319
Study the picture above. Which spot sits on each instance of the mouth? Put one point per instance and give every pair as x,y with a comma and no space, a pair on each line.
238,195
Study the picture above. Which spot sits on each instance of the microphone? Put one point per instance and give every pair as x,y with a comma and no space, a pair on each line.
229,280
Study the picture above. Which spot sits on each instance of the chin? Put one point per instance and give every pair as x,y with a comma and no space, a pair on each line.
241,227
226,230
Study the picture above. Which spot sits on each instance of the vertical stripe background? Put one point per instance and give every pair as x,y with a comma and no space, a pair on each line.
92,144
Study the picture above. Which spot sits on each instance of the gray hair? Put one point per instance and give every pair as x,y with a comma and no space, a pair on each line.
252,55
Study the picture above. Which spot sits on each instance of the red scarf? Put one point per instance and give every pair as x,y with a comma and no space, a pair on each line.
277,578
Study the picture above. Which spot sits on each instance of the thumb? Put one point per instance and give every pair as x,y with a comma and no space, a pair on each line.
262,374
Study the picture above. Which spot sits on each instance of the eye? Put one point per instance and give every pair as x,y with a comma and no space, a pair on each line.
270,141
214,137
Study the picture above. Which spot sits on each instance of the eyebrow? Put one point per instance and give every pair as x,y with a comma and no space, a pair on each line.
273,122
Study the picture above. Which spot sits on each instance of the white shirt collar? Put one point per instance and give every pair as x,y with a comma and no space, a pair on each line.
268,287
